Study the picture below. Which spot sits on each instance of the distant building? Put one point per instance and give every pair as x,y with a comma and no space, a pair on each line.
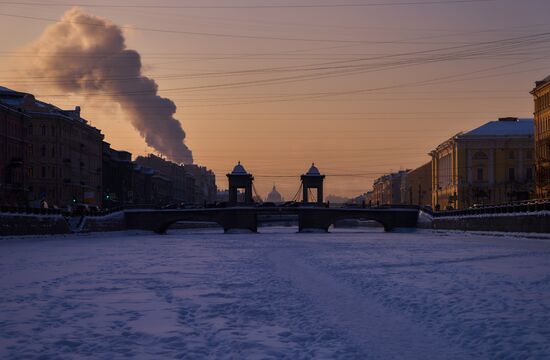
416,187
274,196
541,94
168,175
335,199
190,184
222,195
368,198
64,153
14,153
203,182
491,164
387,189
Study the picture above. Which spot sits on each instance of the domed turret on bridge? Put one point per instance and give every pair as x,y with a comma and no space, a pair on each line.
274,196
312,180
239,178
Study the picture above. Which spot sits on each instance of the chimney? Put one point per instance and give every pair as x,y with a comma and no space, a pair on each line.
508,119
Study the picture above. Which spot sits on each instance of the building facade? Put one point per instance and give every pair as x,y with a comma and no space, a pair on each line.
142,179
541,94
386,189
491,164
14,157
117,174
204,182
167,181
64,153
50,157
416,187
190,184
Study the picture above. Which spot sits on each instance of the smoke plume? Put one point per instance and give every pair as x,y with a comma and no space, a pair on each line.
87,55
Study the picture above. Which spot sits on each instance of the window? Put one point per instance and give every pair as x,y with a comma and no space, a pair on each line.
43,150
529,154
53,173
43,171
529,174
511,174
43,130
479,174
511,155
480,155
53,151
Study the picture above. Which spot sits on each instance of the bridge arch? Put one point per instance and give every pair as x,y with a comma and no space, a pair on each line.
352,222
389,218
173,225
160,220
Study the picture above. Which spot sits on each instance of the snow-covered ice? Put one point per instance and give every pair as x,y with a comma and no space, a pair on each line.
197,294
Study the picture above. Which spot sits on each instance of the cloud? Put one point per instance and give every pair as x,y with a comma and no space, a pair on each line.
87,55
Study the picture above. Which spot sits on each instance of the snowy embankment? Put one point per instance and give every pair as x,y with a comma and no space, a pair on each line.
538,222
349,294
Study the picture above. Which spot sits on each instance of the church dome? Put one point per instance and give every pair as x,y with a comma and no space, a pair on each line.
274,196
239,170
313,171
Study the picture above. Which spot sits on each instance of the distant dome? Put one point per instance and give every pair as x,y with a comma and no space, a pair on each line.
274,196
239,170
313,170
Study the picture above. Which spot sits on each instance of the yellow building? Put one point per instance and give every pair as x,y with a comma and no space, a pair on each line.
416,187
491,164
541,94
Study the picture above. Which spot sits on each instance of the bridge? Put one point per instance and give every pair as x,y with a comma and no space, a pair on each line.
246,217
244,214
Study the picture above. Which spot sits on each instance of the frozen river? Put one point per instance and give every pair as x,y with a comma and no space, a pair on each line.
349,294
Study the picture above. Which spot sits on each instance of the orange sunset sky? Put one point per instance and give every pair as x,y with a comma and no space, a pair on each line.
359,87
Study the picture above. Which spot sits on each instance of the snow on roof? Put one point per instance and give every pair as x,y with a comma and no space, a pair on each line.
543,81
239,170
12,101
5,89
504,127
313,171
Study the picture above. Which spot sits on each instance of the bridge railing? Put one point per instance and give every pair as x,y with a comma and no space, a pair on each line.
7,209
530,206
29,210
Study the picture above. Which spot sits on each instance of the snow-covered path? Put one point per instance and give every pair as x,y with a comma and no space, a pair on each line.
349,294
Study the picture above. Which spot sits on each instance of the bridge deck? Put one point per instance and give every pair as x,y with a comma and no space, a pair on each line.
247,217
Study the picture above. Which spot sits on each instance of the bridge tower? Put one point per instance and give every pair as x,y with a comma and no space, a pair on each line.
312,180
240,179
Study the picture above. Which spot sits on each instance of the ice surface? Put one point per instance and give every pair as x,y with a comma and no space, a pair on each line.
348,294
